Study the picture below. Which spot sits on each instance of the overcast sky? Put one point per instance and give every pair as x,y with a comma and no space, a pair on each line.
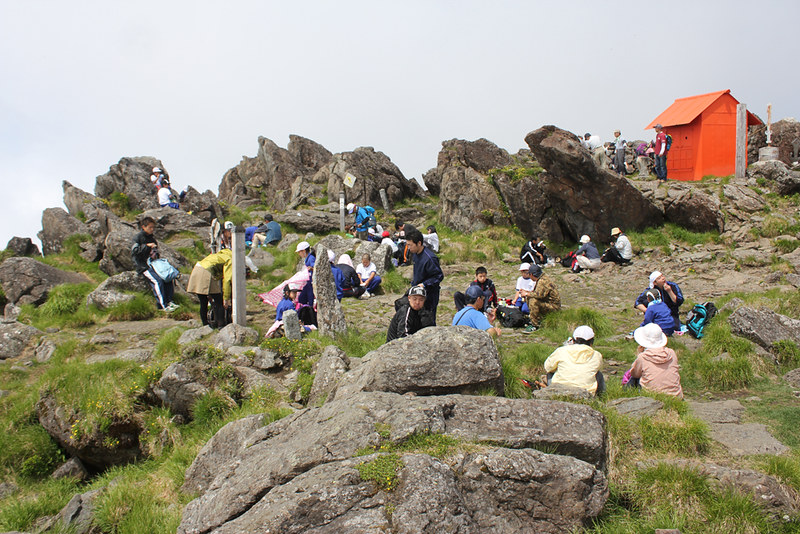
85,83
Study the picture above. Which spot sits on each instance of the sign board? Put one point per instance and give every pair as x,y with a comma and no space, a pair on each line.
349,180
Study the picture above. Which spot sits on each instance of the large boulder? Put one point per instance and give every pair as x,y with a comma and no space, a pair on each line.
339,245
434,361
117,289
27,281
584,198
22,246
776,175
131,177
764,327
785,136
527,205
330,315
57,225
15,337
469,202
328,370
693,209
170,222
297,474
381,255
306,220
178,389
117,250
205,206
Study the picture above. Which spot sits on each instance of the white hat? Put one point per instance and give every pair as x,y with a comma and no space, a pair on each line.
585,239
653,276
302,245
228,225
524,266
350,207
371,230
156,169
650,336
583,332
331,255
615,231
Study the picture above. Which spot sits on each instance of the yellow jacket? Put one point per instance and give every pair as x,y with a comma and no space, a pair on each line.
575,365
220,265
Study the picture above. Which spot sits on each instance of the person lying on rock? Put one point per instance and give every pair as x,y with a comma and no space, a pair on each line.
587,256
410,315
472,315
542,300
351,283
485,284
620,251
145,247
576,363
524,287
656,366
670,293
658,312
368,275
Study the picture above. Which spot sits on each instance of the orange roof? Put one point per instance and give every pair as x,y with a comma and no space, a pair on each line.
685,110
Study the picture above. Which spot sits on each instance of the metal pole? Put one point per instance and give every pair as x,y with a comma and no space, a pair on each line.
341,211
385,201
239,292
741,140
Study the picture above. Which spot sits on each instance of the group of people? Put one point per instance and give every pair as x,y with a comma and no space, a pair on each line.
657,149
167,198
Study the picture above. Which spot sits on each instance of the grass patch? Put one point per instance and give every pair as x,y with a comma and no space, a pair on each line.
382,470
69,259
65,299
18,512
668,234
139,308
670,433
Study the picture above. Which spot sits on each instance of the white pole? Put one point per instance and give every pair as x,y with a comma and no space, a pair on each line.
239,292
741,140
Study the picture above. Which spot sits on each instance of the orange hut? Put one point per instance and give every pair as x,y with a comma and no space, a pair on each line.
703,130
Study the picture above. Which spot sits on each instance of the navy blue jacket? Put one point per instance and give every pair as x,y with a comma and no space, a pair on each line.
428,273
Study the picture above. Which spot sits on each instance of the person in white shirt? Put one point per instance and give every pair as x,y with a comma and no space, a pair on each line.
591,141
621,252
388,241
369,276
431,240
525,285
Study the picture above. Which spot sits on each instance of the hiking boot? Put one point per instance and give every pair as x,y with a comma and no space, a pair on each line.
530,329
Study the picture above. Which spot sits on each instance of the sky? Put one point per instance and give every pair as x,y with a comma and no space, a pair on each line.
194,84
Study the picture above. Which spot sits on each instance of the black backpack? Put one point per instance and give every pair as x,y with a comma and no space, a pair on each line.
512,317
698,317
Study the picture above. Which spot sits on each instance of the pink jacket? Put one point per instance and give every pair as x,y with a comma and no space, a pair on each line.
658,370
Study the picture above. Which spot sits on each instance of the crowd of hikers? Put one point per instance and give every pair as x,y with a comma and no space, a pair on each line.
576,363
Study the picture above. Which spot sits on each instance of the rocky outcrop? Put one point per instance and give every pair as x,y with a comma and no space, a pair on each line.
328,370
776,175
22,246
57,225
469,202
117,251
785,136
340,245
434,361
170,222
116,444
330,315
205,205
178,390
381,255
27,281
15,337
764,327
299,473
131,177
234,334
584,198
693,209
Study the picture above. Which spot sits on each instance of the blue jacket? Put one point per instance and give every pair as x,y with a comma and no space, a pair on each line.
361,217
338,280
284,305
674,307
659,313
272,232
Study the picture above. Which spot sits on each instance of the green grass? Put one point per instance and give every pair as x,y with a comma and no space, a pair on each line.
669,234
140,308
19,511
69,259
381,470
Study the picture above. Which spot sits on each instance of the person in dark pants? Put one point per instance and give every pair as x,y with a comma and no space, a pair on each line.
427,272
661,153
145,247
211,279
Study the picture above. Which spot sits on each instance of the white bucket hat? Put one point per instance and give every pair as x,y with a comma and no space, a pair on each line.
302,245
650,336
585,239
350,207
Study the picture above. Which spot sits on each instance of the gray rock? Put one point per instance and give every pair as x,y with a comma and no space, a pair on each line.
27,281
195,334
94,212
78,514
57,225
288,242
234,334
117,289
338,244
131,176
636,407
8,488
22,246
729,411
178,390
763,326
468,201
205,206
557,391
330,316
252,380
117,252
104,338
72,468
170,222
130,355
14,338
261,258
272,456
793,378
11,313
256,357
434,361
693,209
328,370
381,255
44,350
777,175
307,220
793,279
291,325
747,439
743,198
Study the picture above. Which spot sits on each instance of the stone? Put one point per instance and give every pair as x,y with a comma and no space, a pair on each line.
743,198
636,407
8,488
117,289
117,252
72,468
784,136
586,199
558,391
204,206
116,444
328,370
22,246
468,201
729,411
77,516
291,325
14,338
178,390
27,281
307,220
793,378
57,225
256,357
44,350
89,209
195,334
170,222
234,334
288,242
764,327
434,361
793,279
261,258
339,245
130,355
381,255
269,459
330,316
11,313
105,338
747,439
131,177
778,177
693,209
252,380
528,206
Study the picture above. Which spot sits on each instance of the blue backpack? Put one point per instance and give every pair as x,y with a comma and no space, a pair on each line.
669,142
698,317
164,269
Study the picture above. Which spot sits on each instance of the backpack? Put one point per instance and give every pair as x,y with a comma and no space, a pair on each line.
164,270
698,317
512,317
371,222
641,150
569,260
669,142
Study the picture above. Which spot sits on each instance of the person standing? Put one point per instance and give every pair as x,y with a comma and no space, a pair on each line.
211,279
619,152
427,272
661,153
145,247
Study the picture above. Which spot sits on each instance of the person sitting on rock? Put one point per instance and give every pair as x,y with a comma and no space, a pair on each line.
587,256
485,284
656,366
351,285
410,315
288,302
576,363
212,279
403,254
658,312
431,238
387,240
524,288
157,176
427,272
368,275
145,247
620,251
533,252
542,300
471,314
167,197
670,293
267,233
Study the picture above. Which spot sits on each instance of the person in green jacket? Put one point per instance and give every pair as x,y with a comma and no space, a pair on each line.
211,279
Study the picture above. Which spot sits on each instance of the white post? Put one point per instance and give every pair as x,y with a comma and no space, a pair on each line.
341,211
239,293
385,201
741,140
